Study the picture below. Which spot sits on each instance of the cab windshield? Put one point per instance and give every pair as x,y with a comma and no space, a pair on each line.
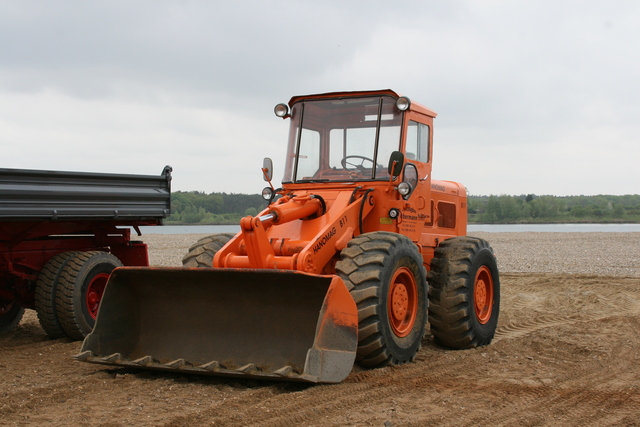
348,139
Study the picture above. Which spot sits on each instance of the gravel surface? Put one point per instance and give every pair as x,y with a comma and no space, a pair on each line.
565,353
601,254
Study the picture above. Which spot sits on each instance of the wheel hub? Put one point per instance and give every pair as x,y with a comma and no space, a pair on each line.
5,307
483,295
402,302
94,293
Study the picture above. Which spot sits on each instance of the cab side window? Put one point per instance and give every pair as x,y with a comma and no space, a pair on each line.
417,142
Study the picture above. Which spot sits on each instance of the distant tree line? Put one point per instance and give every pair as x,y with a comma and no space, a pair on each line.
194,207
548,209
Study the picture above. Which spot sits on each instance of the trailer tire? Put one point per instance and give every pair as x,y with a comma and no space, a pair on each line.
81,285
10,315
464,293
45,294
387,279
202,252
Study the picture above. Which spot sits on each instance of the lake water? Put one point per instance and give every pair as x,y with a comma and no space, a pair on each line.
491,228
559,228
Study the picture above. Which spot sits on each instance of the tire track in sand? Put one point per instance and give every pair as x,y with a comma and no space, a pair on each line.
594,300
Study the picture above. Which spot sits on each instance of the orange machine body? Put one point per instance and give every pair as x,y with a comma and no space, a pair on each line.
318,215
280,298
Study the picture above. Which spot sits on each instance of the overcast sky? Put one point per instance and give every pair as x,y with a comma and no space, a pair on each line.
535,97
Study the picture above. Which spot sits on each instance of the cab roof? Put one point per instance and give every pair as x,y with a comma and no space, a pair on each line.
419,108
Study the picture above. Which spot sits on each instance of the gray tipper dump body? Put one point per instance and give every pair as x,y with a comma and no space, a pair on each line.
35,195
62,232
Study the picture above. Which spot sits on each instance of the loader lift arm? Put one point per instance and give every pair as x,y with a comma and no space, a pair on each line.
330,232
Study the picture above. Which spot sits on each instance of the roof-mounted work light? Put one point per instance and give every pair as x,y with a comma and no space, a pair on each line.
403,103
281,110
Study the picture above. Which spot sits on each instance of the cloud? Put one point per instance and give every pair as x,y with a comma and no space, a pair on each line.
532,96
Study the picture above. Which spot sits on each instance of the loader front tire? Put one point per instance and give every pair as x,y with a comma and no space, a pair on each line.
387,280
45,294
202,252
81,285
464,293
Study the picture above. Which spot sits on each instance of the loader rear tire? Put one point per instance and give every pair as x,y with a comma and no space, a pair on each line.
45,294
202,252
10,315
387,280
81,285
464,293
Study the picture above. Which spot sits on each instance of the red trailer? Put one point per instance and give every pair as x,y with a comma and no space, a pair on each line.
61,235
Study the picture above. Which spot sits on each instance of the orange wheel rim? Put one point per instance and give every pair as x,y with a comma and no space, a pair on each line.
403,302
483,295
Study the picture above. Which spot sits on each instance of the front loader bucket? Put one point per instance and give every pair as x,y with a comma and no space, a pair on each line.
230,322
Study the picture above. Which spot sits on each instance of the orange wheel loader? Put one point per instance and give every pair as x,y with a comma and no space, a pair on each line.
355,254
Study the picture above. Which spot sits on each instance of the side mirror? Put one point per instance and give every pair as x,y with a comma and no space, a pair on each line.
267,169
396,161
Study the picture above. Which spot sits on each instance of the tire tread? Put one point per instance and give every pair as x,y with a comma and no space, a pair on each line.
362,267
202,252
47,286
450,301
66,298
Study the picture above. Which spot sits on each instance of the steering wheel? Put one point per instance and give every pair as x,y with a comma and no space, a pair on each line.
359,166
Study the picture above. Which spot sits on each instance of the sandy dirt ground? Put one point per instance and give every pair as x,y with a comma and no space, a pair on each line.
566,353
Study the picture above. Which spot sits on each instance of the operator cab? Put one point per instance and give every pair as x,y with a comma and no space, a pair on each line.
352,137
343,139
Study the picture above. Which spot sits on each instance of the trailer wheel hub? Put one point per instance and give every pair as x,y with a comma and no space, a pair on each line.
94,293
5,307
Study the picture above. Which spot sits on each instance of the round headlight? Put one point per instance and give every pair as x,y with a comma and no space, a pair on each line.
267,193
281,110
403,103
404,188
394,213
